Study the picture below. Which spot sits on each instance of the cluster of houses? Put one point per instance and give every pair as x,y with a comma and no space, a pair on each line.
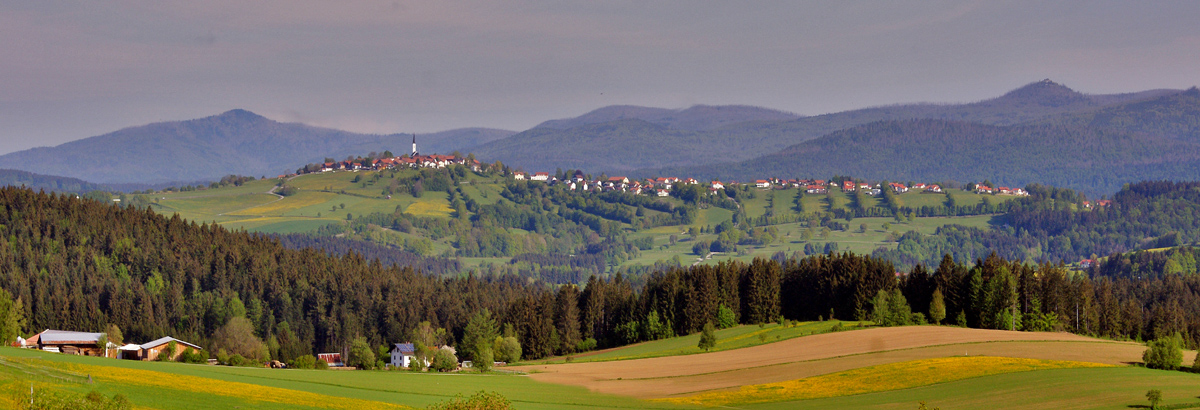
402,356
984,189
88,344
405,161
662,186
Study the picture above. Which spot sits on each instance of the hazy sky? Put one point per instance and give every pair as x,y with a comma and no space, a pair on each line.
70,70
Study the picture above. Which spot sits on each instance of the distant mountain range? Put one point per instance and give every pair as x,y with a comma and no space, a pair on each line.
1095,150
638,140
1041,132
235,142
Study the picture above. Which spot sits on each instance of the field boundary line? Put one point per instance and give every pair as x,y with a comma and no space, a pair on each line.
864,354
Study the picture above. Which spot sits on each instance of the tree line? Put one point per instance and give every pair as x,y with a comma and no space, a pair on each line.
79,264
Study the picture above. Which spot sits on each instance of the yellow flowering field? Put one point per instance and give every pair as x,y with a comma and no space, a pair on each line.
205,385
886,377
429,208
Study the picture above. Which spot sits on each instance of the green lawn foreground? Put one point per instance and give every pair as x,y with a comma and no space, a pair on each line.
1088,388
406,388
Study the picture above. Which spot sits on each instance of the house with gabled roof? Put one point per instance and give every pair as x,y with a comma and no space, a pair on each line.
402,355
151,350
68,342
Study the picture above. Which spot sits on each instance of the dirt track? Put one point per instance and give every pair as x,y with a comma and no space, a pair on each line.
821,354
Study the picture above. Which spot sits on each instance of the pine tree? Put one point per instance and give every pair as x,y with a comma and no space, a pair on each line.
708,337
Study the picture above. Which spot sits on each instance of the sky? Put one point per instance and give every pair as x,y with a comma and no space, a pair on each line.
71,70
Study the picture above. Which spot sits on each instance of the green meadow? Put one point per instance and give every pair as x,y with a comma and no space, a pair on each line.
185,386
727,339
334,197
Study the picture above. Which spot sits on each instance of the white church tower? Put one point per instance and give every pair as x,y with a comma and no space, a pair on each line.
414,152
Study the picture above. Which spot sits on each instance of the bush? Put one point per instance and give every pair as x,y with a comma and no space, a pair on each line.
1154,396
167,353
361,354
725,317
708,337
193,356
237,360
480,401
507,349
321,365
444,361
1164,353
586,345
304,362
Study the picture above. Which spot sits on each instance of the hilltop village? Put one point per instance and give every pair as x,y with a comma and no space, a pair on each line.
660,186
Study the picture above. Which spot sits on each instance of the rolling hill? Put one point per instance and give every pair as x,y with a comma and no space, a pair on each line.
1096,151
1093,160
235,142
626,138
49,183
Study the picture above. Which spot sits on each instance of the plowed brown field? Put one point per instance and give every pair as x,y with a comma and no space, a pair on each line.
826,353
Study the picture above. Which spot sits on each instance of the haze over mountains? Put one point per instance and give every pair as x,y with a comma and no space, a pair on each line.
1042,132
235,142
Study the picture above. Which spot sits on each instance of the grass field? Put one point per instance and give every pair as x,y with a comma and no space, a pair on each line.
323,198
674,376
874,379
182,386
333,198
727,339
884,368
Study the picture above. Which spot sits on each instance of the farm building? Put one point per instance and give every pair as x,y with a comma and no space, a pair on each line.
63,341
403,354
151,350
333,359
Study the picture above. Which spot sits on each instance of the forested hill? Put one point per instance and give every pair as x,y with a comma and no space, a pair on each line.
623,138
1095,150
48,183
81,265
1175,115
1094,160
235,142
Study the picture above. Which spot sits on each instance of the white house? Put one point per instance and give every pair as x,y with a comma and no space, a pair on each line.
540,176
519,175
762,183
403,354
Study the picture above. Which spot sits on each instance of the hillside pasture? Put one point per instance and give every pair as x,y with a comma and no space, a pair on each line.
727,339
184,386
821,354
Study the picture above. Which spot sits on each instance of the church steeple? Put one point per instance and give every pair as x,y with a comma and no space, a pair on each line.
414,151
